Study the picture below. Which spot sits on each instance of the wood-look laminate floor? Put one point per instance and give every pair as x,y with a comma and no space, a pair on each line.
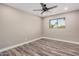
44,47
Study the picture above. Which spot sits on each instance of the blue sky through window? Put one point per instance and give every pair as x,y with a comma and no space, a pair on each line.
53,22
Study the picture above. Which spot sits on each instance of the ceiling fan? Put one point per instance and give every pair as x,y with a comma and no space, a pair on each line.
45,8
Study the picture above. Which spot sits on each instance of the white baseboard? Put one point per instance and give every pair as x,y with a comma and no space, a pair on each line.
4,49
62,40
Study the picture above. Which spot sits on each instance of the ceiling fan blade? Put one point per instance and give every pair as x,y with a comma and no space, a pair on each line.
52,7
37,10
42,12
43,5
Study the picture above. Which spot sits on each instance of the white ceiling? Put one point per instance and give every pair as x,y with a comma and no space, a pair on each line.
29,7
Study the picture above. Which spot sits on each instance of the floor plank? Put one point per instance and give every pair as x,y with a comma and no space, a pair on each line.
44,47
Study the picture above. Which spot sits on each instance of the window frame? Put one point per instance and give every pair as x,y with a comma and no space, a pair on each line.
57,22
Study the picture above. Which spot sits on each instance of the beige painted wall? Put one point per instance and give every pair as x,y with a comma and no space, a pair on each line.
70,33
17,26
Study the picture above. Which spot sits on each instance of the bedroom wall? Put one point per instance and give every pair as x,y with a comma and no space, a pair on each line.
17,26
70,33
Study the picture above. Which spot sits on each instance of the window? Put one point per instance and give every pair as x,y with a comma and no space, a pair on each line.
57,23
